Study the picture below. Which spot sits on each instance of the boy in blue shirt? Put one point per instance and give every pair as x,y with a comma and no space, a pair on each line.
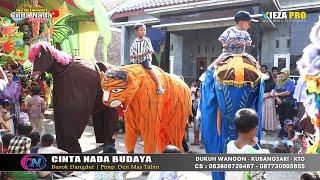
235,39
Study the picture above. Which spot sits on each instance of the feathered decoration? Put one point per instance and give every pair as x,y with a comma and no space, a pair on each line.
315,34
12,47
8,30
8,46
59,56
309,68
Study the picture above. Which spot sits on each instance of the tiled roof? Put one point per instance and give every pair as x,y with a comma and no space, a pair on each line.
111,4
134,5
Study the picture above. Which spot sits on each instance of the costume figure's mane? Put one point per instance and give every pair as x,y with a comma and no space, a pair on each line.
309,64
61,57
309,68
116,74
315,34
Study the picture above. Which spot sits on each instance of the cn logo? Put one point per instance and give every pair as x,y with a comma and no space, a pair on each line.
54,13
33,162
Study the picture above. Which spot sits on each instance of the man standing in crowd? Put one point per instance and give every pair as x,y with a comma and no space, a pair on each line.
264,69
275,73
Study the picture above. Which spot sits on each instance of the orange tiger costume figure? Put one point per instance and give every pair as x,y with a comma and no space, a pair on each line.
159,119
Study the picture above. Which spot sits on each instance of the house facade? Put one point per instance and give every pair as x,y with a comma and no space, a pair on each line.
86,41
185,33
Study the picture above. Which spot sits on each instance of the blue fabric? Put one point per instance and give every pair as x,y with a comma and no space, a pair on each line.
228,99
288,86
208,107
34,149
16,79
157,37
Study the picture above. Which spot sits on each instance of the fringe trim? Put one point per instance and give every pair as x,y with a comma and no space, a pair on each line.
239,84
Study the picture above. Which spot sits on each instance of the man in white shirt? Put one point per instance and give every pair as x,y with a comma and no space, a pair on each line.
246,122
47,145
47,148
165,175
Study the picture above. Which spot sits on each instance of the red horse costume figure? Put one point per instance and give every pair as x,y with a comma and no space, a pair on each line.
77,95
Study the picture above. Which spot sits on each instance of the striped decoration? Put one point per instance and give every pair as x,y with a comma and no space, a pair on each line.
159,119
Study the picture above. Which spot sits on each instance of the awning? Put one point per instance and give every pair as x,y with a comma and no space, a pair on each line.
203,24
196,5
131,23
289,5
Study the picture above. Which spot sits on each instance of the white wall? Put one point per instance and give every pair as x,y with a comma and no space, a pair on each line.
268,49
191,41
176,44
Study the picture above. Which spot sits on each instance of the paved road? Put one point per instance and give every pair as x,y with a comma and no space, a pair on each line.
88,145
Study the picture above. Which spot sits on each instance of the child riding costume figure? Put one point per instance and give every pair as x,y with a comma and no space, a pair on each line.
232,82
156,105
140,53
236,38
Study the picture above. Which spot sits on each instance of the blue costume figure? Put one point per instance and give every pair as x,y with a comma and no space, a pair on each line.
232,82
233,85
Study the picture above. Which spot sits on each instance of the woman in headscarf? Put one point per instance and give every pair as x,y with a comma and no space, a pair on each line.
269,107
284,93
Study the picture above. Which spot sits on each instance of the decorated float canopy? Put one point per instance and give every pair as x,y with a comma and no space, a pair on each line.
77,20
7,6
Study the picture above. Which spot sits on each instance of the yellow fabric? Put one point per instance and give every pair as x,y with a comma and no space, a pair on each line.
88,37
219,122
313,87
239,72
159,119
313,149
48,93
313,83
